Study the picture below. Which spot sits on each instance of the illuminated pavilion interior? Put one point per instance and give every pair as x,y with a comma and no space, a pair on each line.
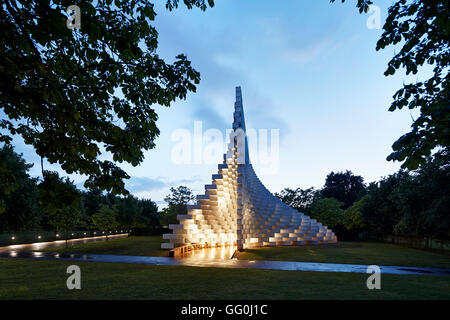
237,209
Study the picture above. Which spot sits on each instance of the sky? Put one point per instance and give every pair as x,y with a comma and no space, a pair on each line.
309,74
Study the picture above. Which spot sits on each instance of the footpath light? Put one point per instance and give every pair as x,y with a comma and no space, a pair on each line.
85,233
39,237
57,235
13,238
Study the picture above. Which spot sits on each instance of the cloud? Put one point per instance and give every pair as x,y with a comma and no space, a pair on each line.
308,52
286,40
146,184
210,117
138,184
261,113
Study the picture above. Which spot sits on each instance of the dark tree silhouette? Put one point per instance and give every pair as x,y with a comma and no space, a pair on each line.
344,187
74,94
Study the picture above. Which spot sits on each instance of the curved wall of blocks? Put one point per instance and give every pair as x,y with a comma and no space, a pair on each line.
264,220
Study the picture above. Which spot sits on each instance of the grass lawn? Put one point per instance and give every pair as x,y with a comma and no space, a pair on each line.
35,279
131,246
353,253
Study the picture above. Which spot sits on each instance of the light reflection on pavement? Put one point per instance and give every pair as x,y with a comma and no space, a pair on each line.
16,248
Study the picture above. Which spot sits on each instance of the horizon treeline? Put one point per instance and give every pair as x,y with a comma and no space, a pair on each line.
408,206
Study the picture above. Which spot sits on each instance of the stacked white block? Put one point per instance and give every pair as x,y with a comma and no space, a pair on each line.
237,209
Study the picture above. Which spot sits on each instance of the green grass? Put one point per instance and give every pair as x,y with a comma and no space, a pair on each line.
131,246
39,279
352,253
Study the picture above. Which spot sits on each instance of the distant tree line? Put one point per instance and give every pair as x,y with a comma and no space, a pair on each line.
55,203
407,206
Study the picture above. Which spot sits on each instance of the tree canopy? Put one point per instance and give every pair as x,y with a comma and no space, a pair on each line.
19,208
299,199
407,205
74,94
343,186
328,211
422,29
179,195
177,202
105,218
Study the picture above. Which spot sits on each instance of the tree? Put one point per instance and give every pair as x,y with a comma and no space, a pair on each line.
353,217
424,200
177,202
112,198
92,200
72,93
179,195
435,181
56,193
328,211
66,220
68,214
149,215
129,213
169,214
105,218
381,211
422,28
19,208
299,199
13,168
344,186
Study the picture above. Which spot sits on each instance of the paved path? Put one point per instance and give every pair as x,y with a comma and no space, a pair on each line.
212,258
14,249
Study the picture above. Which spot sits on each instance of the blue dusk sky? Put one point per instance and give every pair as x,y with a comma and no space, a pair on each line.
308,68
